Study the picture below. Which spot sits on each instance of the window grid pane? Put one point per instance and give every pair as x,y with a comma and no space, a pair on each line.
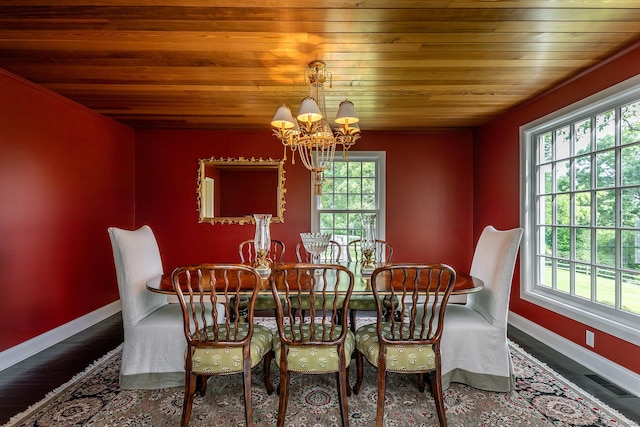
350,188
630,293
587,212
583,281
605,130
630,131
630,157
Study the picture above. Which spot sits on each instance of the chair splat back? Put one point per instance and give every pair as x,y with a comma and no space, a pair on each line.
311,295
415,286
332,254
210,286
247,251
384,251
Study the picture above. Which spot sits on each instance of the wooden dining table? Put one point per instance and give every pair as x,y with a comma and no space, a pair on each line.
464,284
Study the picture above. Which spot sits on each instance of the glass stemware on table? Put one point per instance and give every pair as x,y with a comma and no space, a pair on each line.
316,244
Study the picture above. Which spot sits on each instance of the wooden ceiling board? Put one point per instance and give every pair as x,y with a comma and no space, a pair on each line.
223,64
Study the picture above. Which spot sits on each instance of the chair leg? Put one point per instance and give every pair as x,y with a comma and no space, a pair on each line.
267,372
239,308
343,379
246,382
201,384
352,320
284,396
359,361
436,391
189,392
390,308
421,382
382,376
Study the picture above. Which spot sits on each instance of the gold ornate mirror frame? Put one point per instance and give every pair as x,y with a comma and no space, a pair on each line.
230,191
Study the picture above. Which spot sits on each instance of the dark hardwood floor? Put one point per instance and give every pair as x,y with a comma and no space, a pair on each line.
29,381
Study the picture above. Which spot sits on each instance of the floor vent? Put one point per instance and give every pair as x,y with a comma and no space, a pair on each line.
609,386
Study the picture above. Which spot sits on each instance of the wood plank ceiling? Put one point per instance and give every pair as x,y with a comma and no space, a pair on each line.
228,64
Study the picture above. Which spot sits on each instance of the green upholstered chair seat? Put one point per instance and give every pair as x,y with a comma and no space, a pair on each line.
362,302
304,303
400,357
315,358
229,359
265,302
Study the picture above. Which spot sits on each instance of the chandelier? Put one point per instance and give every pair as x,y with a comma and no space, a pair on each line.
309,133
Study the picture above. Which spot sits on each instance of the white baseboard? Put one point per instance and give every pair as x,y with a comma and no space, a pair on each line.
35,345
618,375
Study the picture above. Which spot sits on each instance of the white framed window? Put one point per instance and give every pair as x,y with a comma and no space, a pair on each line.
351,188
581,211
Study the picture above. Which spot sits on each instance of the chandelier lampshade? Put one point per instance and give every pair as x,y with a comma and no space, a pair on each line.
283,118
309,133
309,111
346,113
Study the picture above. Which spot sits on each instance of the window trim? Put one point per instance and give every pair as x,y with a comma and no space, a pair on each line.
589,314
381,158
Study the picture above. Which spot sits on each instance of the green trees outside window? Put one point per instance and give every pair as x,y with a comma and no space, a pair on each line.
587,195
350,189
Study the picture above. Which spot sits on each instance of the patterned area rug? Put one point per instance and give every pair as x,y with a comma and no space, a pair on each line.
541,398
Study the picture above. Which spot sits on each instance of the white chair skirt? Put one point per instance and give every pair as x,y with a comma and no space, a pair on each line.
153,354
465,332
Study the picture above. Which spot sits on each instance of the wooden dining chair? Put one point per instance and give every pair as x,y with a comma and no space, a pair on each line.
226,347
332,254
384,252
480,326
247,251
312,340
248,254
153,353
410,343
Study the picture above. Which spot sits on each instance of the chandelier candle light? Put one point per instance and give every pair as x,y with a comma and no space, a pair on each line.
309,133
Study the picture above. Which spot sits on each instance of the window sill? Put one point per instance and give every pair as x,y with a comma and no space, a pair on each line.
587,315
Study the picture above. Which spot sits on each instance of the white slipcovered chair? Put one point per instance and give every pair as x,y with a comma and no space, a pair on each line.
474,342
154,343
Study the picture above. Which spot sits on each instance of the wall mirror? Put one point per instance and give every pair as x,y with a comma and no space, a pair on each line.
230,190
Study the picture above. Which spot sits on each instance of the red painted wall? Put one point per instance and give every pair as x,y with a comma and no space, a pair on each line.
497,196
429,194
66,174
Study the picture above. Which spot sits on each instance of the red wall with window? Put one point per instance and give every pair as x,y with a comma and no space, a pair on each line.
66,174
497,195
429,190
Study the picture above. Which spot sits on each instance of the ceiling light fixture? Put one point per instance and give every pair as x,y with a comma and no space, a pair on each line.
309,133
